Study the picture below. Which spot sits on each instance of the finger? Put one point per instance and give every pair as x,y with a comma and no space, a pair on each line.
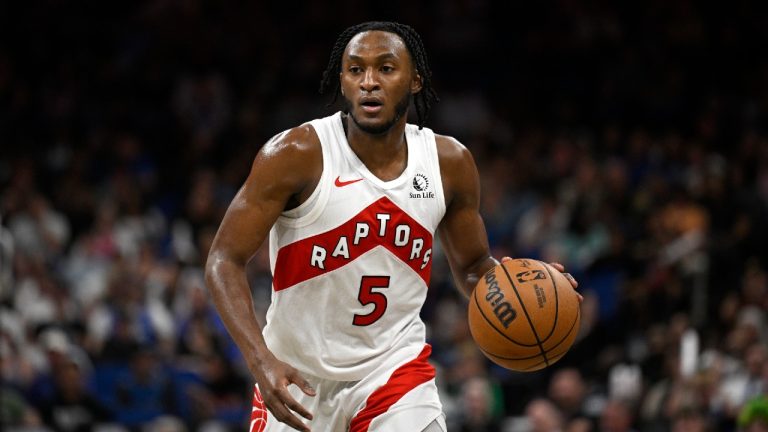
291,403
283,415
559,267
573,282
505,259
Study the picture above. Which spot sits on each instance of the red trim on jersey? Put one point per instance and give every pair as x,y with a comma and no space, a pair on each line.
403,379
292,265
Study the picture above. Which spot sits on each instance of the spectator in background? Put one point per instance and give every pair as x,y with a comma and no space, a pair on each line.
476,408
56,352
754,415
145,391
744,383
71,407
165,423
16,412
15,375
568,391
226,394
616,416
580,424
691,421
39,231
543,416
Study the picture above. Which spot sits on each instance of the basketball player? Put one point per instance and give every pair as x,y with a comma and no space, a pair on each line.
351,203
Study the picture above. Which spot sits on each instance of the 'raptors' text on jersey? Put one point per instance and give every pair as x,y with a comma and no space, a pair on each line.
351,264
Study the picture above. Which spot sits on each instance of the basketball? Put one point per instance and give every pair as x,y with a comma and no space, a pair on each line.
524,315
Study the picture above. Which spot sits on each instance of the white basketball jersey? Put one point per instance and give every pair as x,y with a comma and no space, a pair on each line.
351,265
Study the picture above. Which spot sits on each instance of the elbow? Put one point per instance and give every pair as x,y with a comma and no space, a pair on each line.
221,271
212,270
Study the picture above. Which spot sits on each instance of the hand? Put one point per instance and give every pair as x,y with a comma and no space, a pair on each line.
559,267
274,377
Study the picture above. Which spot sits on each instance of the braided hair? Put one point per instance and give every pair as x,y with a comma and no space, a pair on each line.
423,100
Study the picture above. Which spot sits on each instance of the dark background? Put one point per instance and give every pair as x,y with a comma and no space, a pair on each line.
627,141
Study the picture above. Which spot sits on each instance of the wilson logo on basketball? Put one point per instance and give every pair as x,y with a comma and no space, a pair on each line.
420,185
495,297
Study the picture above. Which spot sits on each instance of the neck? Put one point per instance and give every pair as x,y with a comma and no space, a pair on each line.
386,154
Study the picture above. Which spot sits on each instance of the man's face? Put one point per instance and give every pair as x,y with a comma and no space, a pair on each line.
377,80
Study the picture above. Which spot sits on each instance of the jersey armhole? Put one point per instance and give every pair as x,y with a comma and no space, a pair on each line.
439,191
306,212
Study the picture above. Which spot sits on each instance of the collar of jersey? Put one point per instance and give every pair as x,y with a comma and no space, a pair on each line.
360,166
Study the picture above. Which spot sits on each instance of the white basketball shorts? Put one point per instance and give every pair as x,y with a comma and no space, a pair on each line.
399,398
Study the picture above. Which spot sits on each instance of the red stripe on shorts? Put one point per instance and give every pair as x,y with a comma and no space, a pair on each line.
403,379
258,412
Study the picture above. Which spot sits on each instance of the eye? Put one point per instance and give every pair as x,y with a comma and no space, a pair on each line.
387,68
355,69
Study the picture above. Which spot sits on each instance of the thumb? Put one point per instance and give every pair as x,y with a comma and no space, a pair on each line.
505,259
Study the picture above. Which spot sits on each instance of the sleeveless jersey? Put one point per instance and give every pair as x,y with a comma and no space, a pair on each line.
351,265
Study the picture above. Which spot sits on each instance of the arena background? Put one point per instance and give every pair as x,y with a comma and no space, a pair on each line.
627,141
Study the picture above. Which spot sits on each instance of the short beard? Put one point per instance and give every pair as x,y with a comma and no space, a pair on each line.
400,109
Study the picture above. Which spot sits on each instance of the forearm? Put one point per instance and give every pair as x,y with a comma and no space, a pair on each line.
232,297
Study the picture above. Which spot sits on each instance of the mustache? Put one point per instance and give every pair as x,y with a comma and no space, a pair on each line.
401,108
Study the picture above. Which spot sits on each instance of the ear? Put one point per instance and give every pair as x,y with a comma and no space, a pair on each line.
416,83
341,89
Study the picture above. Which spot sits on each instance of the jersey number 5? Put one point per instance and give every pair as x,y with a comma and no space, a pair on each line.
367,296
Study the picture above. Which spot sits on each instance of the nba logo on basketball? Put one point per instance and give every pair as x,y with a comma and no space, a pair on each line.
530,275
420,185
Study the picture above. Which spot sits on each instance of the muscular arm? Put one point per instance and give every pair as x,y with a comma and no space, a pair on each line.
462,232
284,170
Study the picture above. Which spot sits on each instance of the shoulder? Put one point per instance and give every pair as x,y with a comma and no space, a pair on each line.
457,167
452,154
290,161
300,141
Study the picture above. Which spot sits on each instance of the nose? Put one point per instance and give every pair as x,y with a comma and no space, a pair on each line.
370,81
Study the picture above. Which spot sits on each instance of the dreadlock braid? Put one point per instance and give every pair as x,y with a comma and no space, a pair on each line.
423,100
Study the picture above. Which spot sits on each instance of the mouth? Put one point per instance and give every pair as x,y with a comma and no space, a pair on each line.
371,105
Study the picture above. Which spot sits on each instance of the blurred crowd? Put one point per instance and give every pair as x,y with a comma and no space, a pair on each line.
627,141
